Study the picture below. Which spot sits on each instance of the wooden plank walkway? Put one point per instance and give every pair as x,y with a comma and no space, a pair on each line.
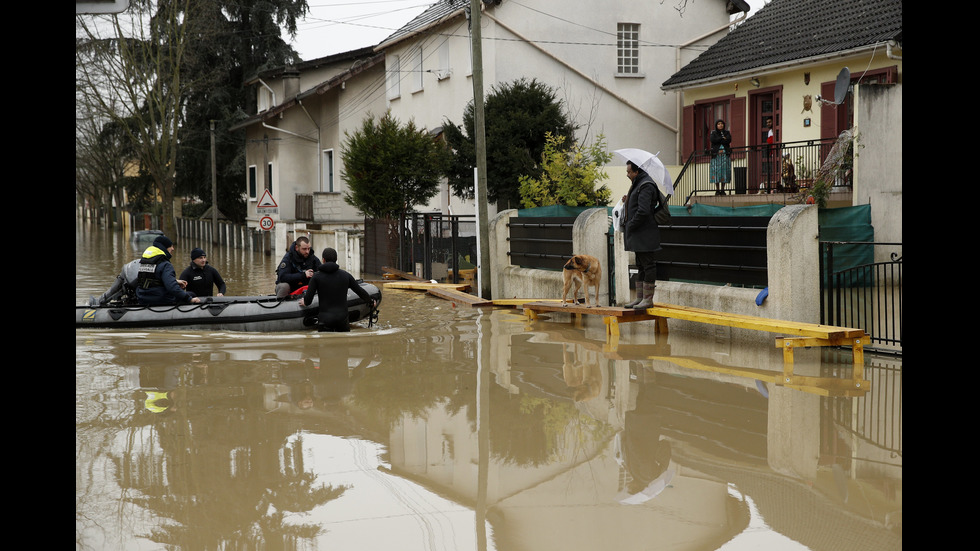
456,295
799,334
391,273
424,285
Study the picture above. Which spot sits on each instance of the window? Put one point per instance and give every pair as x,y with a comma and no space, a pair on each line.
628,49
699,120
708,115
394,78
268,179
444,67
417,72
264,99
253,186
327,170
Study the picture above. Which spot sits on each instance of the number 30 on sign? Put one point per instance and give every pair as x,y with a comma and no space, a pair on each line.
266,223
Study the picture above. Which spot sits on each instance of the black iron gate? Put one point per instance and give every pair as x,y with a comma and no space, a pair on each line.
863,294
438,246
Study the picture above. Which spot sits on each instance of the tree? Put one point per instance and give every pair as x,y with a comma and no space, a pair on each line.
101,152
518,117
230,41
128,70
391,168
570,176
172,67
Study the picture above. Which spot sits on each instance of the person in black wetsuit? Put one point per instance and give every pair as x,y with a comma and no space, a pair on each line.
330,284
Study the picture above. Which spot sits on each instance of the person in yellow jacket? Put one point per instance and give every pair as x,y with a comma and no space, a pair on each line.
156,282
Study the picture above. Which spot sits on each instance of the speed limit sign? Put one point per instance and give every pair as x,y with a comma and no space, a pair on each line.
266,223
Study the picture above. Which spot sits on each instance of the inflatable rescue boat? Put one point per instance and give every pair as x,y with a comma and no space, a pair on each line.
229,313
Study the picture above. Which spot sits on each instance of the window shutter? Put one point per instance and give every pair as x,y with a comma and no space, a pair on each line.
828,113
737,113
688,133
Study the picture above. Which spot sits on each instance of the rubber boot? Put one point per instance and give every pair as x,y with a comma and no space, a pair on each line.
639,295
647,302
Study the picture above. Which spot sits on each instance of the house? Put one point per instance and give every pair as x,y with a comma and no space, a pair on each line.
783,64
293,142
606,65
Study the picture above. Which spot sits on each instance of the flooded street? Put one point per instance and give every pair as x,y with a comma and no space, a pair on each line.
445,427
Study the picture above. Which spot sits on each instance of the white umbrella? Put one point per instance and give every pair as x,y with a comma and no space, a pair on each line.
651,491
651,164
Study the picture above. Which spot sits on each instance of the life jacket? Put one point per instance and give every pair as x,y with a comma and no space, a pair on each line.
147,276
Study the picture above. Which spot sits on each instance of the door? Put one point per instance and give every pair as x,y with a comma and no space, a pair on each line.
764,136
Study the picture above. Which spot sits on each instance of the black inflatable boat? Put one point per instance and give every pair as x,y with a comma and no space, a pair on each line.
229,313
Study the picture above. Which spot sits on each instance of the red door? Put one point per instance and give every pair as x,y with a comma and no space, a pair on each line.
764,135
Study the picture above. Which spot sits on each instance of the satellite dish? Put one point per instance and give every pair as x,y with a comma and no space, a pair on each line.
843,82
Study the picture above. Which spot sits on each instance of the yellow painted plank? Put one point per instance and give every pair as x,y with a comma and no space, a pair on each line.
754,322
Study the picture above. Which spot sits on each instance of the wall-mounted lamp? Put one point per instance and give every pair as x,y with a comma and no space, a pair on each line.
755,82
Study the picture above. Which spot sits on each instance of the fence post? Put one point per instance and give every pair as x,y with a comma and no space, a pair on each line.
498,257
590,236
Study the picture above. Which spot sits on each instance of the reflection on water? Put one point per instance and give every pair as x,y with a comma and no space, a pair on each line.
457,428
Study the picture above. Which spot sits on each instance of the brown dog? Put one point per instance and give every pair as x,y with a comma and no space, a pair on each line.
582,271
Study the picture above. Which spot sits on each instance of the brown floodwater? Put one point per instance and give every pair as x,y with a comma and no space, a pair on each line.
449,427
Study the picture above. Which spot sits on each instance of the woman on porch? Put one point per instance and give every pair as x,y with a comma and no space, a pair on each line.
720,169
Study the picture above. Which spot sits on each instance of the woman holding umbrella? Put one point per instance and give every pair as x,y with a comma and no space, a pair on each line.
641,232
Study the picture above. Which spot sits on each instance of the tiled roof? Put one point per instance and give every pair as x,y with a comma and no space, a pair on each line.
438,12
784,31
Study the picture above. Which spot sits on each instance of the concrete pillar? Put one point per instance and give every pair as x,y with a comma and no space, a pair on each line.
590,236
793,250
623,260
499,260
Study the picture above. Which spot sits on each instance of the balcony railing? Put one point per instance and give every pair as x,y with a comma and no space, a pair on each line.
786,167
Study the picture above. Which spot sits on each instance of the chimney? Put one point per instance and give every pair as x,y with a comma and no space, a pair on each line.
290,82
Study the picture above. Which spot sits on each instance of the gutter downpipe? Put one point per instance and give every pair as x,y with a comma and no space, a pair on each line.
583,75
677,67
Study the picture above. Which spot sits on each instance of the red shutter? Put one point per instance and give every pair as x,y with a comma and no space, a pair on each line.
828,113
687,133
737,125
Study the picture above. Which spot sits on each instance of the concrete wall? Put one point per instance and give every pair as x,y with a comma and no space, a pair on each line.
793,260
878,161
507,281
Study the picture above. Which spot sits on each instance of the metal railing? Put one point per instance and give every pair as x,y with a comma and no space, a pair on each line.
875,418
784,167
438,246
857,291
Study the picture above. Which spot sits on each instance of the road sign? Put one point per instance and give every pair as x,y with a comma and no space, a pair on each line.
266,223
267,204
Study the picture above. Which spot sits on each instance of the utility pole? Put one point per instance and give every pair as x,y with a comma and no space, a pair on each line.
214,191
479,128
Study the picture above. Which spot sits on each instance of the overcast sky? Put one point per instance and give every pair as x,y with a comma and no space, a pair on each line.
335,26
